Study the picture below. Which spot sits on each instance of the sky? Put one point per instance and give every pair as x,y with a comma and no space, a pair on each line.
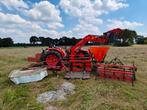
21,19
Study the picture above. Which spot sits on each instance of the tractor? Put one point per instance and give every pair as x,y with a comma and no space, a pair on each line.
80,62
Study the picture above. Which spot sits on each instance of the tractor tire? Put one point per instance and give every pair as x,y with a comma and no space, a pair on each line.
52,58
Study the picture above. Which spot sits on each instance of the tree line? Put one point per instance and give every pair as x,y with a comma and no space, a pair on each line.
34,40
127,38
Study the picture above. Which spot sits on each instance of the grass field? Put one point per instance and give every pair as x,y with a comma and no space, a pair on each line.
90,94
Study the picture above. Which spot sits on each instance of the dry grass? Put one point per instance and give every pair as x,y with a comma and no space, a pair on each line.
90,94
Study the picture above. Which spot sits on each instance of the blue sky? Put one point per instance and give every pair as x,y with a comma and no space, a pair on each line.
21,19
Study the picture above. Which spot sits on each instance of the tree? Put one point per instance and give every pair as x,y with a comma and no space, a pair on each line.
67,41
145,40
33,39
46,41
49,42
139,39
6,42
42,40
73,41
56,41
0,42
126,38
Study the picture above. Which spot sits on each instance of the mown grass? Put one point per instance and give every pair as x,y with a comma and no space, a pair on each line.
101,94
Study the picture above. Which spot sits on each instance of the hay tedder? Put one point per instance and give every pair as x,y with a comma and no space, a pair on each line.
79,62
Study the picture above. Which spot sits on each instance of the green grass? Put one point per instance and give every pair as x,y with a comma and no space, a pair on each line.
90,94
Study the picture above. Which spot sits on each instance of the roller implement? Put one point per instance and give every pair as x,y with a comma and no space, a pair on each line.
79,62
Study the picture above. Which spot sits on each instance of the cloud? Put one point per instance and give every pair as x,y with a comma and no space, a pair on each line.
86,27
123,24
13,25
43,19
10,19
114,4
88,13
84,8
14,4
46,13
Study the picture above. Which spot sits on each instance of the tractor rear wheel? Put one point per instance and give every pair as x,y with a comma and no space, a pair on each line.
53,59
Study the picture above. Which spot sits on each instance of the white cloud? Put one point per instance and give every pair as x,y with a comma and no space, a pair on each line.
46,13
14,4
114,4
84,8
14,26
65,33
75,7
10,19
86,27
43,19
88,13
123,24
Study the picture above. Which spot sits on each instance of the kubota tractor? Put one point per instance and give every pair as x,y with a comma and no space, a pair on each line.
56,58
81,62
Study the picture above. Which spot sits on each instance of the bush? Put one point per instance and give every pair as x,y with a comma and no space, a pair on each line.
142,40
145,41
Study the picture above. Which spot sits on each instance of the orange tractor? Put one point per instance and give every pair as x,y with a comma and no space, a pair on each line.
81,62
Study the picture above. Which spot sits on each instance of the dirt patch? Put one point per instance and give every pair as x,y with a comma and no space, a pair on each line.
65,89
51,108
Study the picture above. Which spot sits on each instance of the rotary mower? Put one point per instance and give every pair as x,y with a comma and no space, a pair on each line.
79,63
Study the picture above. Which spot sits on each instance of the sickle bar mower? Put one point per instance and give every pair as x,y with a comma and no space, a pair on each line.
80,62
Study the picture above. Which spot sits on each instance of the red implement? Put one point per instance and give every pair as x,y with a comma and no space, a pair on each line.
117,72
99,52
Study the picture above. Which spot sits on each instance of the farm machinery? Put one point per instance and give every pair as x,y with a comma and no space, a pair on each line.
79,62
